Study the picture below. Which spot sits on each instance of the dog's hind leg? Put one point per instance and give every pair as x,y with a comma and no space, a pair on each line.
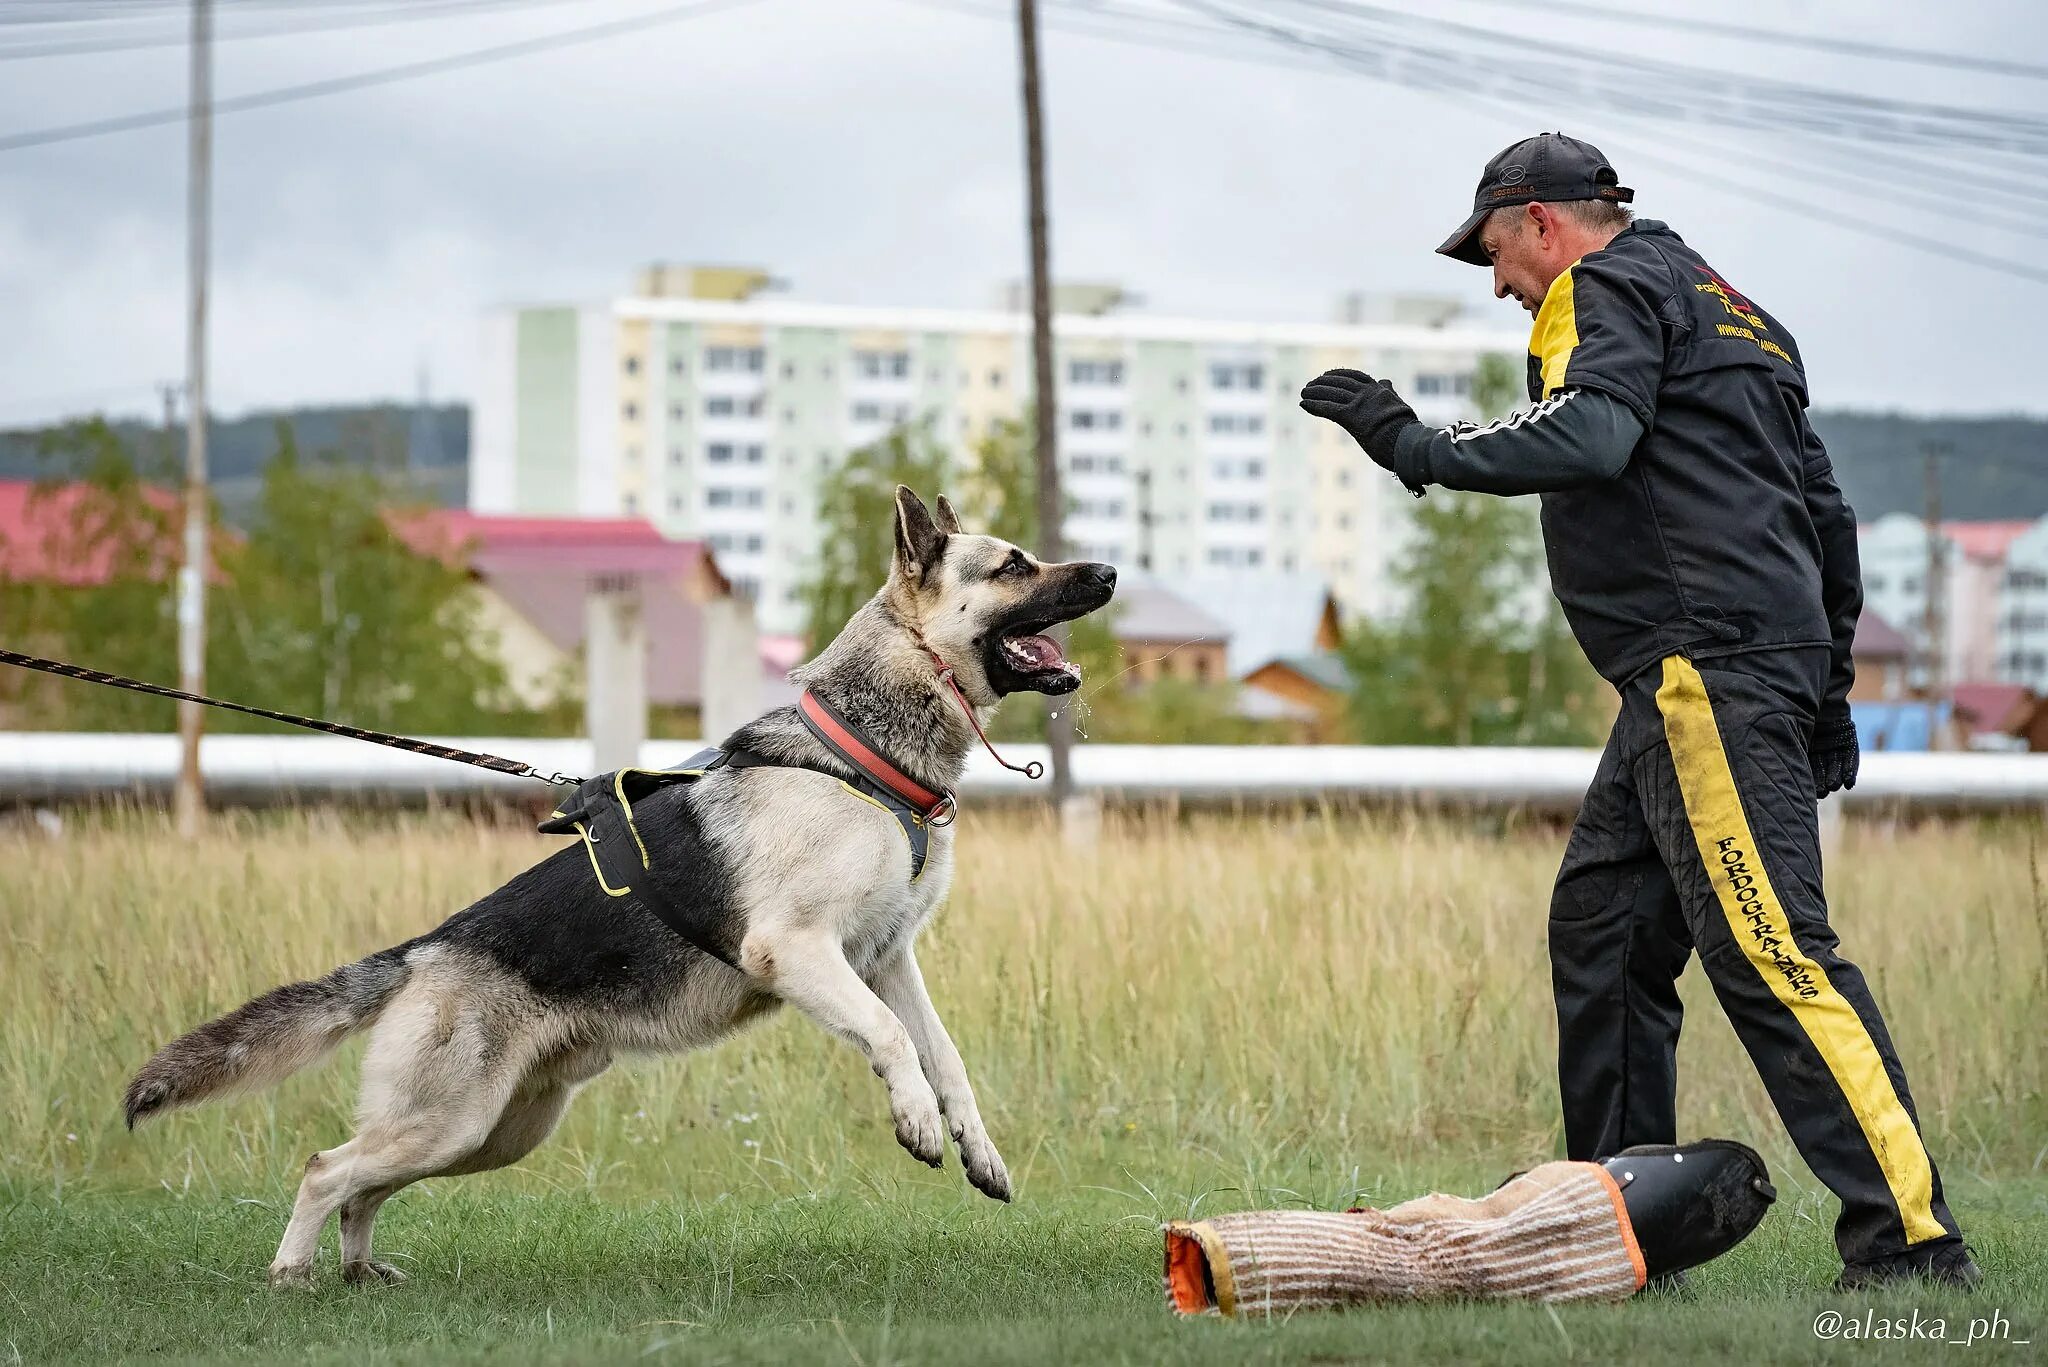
437,1077
358,1216
809,970
528,1119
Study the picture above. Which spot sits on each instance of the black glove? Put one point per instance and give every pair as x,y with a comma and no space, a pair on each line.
1834,753
1368,409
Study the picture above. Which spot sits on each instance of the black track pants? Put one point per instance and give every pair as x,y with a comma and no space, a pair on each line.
1701,830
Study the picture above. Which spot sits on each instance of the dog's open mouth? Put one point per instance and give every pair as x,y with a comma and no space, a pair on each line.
1038,657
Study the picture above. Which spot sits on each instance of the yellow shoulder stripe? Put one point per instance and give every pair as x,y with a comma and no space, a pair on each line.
1556,334
1758,921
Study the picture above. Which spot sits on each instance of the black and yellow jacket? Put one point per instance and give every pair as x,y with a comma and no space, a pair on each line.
1688,507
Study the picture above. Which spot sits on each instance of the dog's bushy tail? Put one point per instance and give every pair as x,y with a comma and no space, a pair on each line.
264,1041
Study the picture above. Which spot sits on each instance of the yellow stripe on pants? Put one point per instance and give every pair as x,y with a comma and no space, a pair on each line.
1760,926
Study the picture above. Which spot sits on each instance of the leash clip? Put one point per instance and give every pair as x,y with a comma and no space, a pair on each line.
945,813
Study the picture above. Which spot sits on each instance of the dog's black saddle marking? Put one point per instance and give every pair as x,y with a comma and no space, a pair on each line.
600,810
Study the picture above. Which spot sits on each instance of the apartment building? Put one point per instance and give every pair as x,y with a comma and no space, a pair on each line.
1992,611
712,408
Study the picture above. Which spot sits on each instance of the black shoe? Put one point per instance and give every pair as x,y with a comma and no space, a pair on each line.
1690,1203
1946,1264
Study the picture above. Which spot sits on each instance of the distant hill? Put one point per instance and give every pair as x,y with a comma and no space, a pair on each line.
425,449
1993,468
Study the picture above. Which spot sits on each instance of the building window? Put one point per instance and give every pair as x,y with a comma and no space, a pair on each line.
881,365
789,370
1236,424
632,503
631,410
995,379
1237,375
1237,512
1095,420
735,359
676,366
675,503
1428,385
719,406
675,456
1095,372
719,453
632,365
756,453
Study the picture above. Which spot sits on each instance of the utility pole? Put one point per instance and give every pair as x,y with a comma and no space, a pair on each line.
1059,729
190,803
1936,618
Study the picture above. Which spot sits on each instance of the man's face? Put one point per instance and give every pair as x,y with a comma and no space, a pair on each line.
1526,245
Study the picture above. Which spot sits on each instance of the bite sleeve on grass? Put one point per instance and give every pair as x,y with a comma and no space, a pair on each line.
1557,1233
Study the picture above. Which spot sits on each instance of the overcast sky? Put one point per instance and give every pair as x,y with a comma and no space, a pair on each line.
868,151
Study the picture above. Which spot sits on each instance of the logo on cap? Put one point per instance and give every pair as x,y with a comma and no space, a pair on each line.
1513,175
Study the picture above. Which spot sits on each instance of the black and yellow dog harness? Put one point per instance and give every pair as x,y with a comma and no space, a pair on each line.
600,810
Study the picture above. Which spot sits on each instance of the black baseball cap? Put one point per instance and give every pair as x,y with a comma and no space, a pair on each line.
1549,167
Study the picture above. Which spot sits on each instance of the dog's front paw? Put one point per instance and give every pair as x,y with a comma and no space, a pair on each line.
984,1165
292,1276
920,1130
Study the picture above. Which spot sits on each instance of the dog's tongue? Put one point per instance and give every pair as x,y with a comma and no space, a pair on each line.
1038,652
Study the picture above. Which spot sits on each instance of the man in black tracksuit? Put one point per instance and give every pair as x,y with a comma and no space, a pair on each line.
1707,564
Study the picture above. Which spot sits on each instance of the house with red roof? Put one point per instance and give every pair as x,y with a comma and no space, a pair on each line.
533,577
59,534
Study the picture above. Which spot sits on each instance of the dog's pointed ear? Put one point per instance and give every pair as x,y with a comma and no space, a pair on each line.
948,521
919,542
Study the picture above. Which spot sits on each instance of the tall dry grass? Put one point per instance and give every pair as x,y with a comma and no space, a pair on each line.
1194,1001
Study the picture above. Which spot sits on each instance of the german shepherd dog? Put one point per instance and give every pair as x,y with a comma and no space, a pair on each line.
483,1028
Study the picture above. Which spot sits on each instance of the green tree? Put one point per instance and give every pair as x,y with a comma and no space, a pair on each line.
330,614
319,610
857,524
108,520
1464,663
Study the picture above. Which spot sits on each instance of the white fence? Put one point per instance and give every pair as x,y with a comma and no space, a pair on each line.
49,766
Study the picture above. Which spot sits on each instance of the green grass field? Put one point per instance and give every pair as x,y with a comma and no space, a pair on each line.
1205,1014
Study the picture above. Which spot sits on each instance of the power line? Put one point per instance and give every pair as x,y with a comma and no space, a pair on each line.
1359,62
1484,59
1847,47
405,71
1149,28
1858,223
418,10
